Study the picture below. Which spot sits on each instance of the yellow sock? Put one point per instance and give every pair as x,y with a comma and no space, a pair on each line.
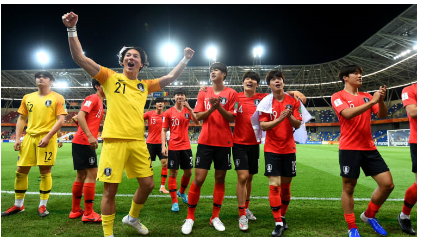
45,186
21,185
135,209
107,222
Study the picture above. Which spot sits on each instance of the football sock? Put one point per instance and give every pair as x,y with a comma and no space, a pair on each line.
285,197
242,210
21,185
350,219
135,209
89,195
107,222
410,199
371,210
218,196
184,184
163,176
247,203
45,187
173,189
194,193
275,202
77,195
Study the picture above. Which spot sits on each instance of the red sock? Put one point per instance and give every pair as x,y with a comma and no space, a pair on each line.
285,197
218,196
372,210
184,184
89,195
173,189
275,202
194,193
163,175
247,203
410,199
77,196
350,219
242,210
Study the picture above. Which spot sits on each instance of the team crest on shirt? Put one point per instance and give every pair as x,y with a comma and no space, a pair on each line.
48,103
346,170
237,162
366,99
91,160
141,87
187,115
223,101
269,168
256,102
107,171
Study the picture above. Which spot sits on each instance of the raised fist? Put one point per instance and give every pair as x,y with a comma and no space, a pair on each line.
70,19
188,53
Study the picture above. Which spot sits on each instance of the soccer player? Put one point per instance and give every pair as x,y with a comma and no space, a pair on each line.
124,145
84,155
155,121
176,119
45,111
409,98
280,147
357,149
217,107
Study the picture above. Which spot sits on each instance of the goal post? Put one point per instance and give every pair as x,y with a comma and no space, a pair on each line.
398,138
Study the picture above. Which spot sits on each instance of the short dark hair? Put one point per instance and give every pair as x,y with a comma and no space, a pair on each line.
159,99
180,91
274,74
219,66
45,74
346,70
142,53
252,75
95,83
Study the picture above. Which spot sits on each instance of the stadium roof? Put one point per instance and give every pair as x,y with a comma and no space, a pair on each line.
387,58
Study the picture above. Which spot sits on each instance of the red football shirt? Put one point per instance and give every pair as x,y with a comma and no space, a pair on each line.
178,124
215,129
243,132
280,139
155,122
93,106
355,133
409,96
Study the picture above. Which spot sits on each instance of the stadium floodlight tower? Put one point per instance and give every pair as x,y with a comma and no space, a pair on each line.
257,53
211,55
43,58
169,53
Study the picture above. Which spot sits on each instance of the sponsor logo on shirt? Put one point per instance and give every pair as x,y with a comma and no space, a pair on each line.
48,103
337,102
404,96
87,103
141,87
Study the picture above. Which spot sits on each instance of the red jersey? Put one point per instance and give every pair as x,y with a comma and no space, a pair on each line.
280,139
215,129
409,96
93,106
178,124
355,133
155,122
243,132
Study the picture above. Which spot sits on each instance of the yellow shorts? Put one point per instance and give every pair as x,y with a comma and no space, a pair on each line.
32,155
119,154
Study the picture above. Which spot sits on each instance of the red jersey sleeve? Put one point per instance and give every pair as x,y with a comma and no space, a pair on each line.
146,115
166,119
338,103
297,111
233,103
199,107
89,104
408,96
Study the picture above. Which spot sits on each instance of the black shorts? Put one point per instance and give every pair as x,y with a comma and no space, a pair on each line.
413,154
182,158
283,165
83,157
206,154
246,157
351,161
154,151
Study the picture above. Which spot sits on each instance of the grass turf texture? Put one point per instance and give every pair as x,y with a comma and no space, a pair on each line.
317,177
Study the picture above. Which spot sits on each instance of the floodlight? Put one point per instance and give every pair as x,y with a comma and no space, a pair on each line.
43,57
257,52
415,47
169,53
212,53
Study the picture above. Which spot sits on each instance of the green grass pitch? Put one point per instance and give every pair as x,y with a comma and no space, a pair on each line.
314,211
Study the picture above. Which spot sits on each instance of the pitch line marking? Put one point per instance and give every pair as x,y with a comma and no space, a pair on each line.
253,197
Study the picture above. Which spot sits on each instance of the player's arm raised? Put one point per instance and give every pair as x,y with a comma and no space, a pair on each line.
91,67
350,113
20,124
177,71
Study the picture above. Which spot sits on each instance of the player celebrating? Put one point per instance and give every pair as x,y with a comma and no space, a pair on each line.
155,121
280,147
84,155
124,145
409,98
45,111
357,149
176,119
217,107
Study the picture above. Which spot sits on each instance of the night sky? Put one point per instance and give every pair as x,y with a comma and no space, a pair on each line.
289,34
